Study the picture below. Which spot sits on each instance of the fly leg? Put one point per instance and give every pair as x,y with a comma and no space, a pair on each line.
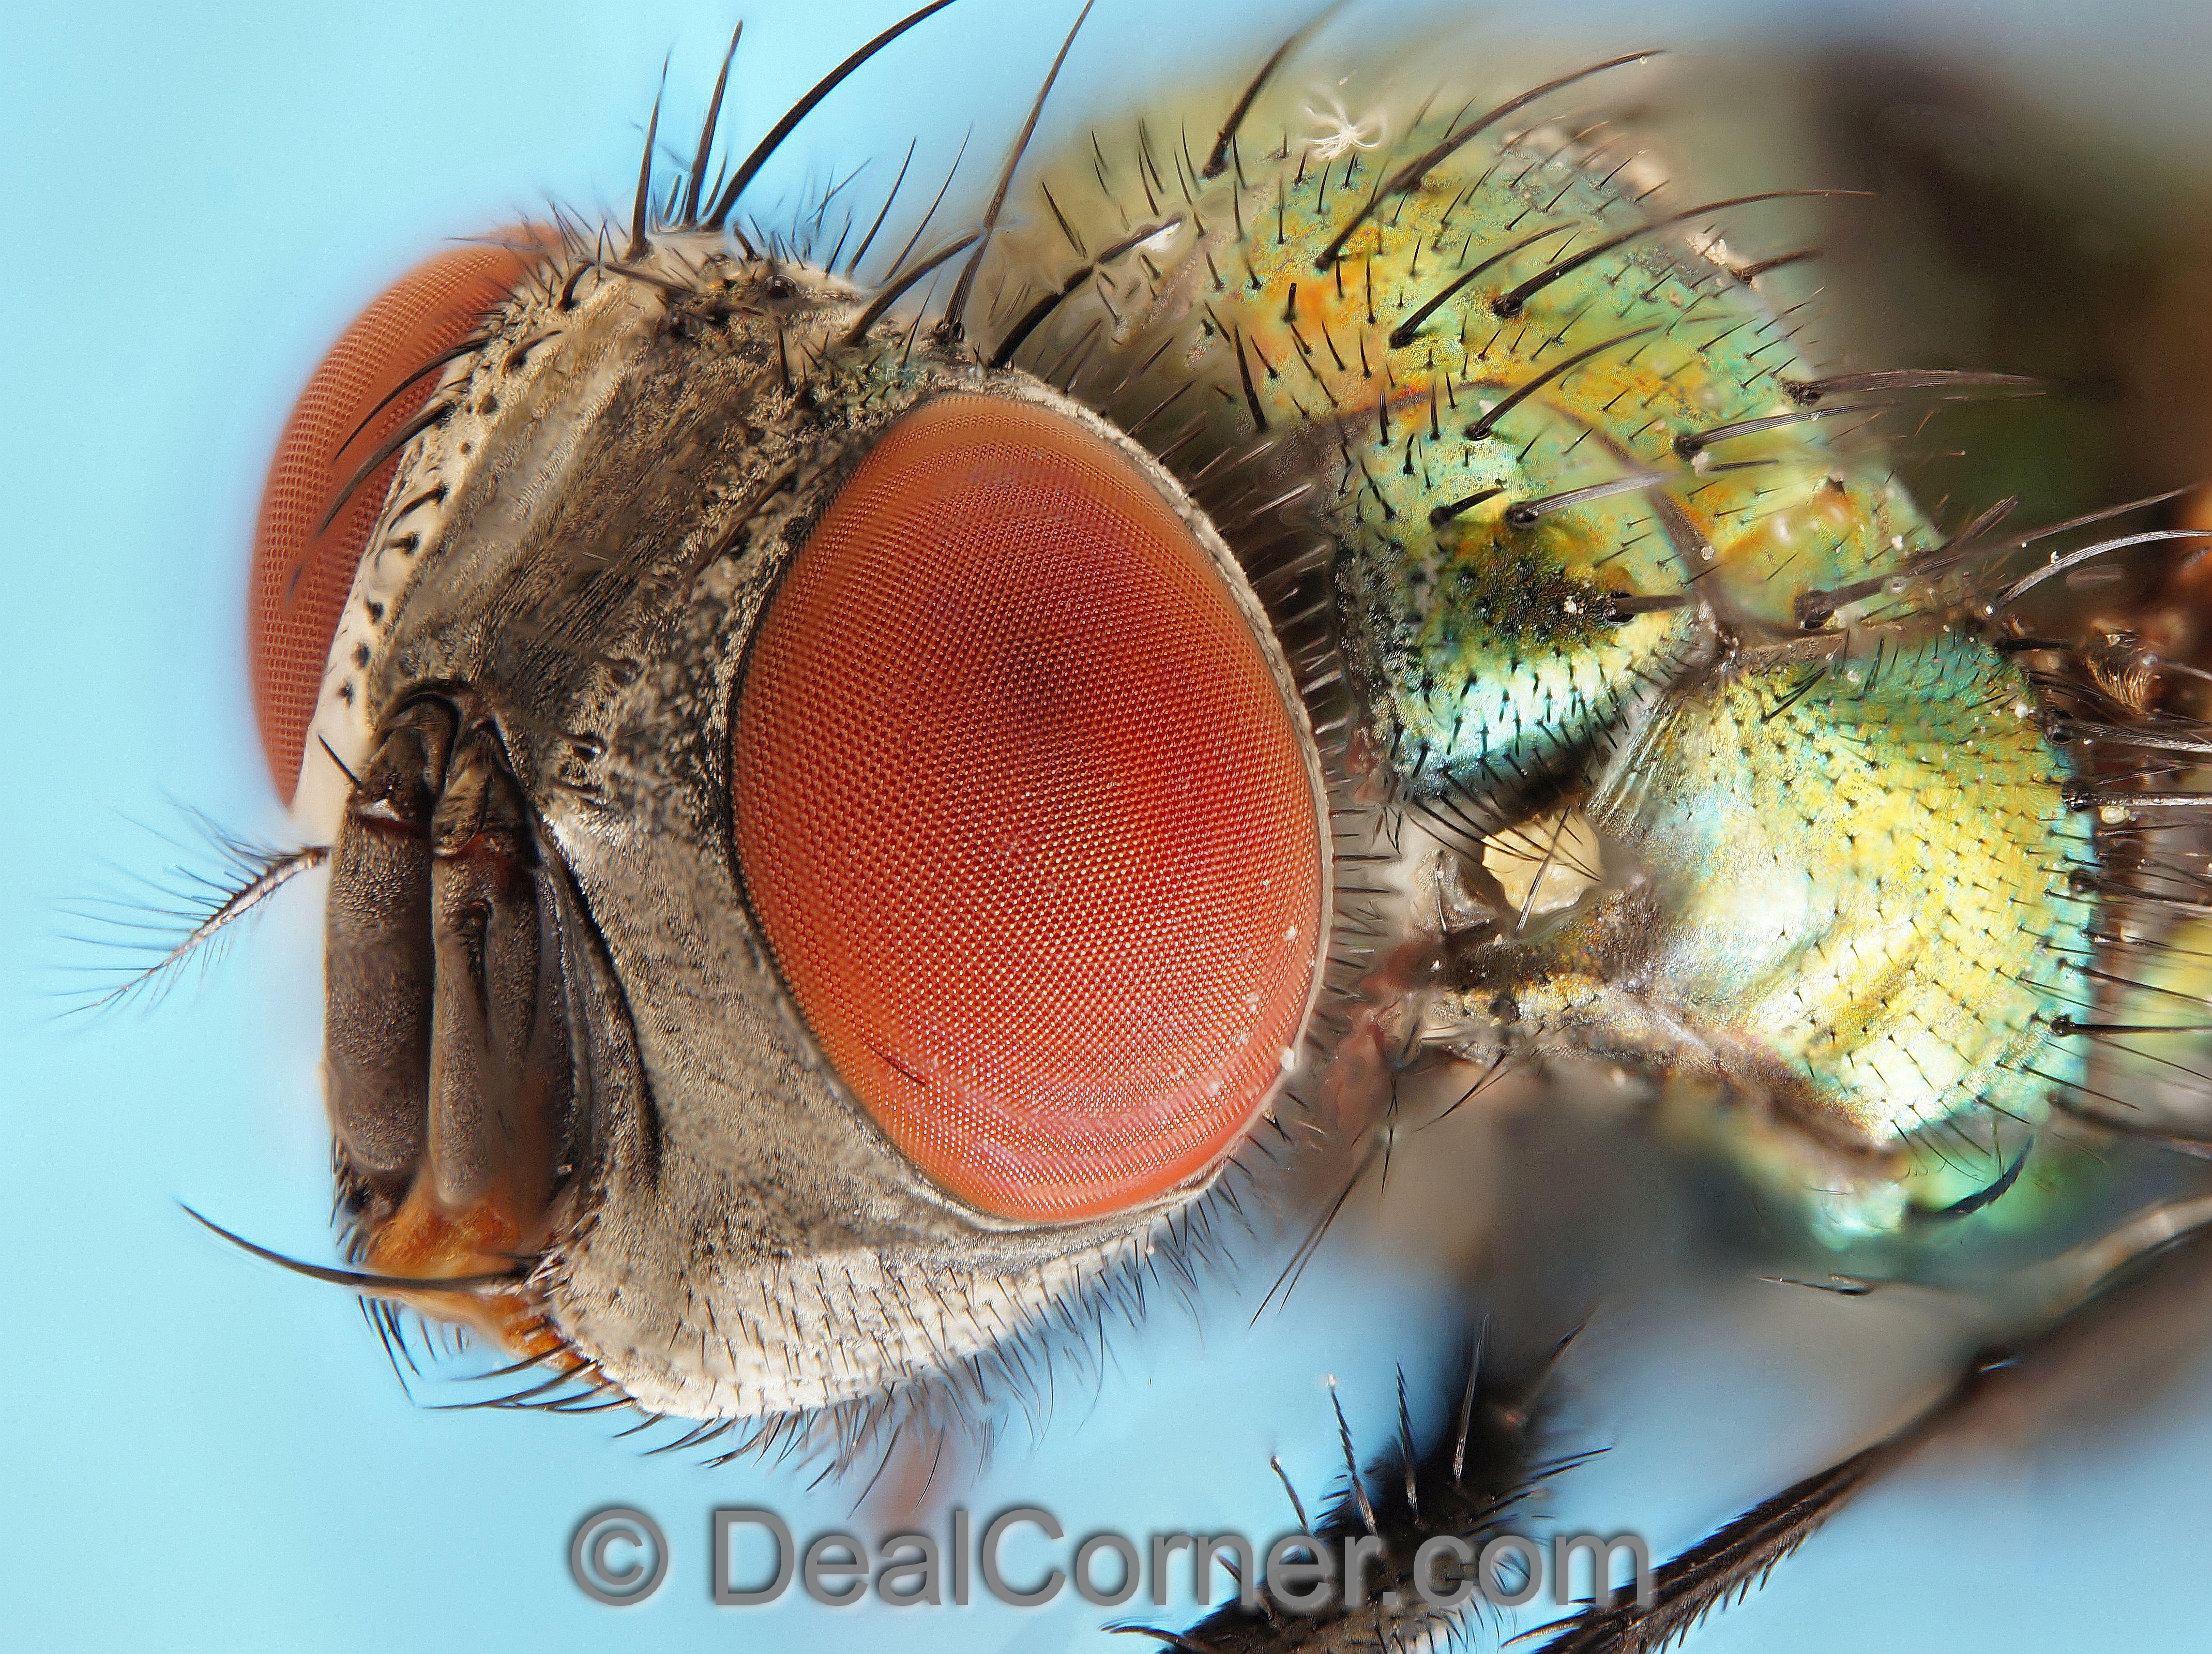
2146,1282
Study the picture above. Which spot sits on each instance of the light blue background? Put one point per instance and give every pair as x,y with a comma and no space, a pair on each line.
199,1451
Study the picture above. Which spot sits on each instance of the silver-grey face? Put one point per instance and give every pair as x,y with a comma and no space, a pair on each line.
546,990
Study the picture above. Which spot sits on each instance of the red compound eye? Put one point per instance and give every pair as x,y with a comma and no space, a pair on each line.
1025,818
302,571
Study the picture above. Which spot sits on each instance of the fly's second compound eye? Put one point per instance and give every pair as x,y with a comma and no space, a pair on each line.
318,507
1026,816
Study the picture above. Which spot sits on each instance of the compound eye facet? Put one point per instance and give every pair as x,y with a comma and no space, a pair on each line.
303,570
1026,817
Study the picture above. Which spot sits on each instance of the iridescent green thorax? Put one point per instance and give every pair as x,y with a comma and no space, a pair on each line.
1842,888
1866,865
1495,635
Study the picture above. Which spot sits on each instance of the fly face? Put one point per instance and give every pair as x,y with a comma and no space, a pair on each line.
824,870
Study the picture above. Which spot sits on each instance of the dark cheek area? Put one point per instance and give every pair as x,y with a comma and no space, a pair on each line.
378,957
447,1037
483,1138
